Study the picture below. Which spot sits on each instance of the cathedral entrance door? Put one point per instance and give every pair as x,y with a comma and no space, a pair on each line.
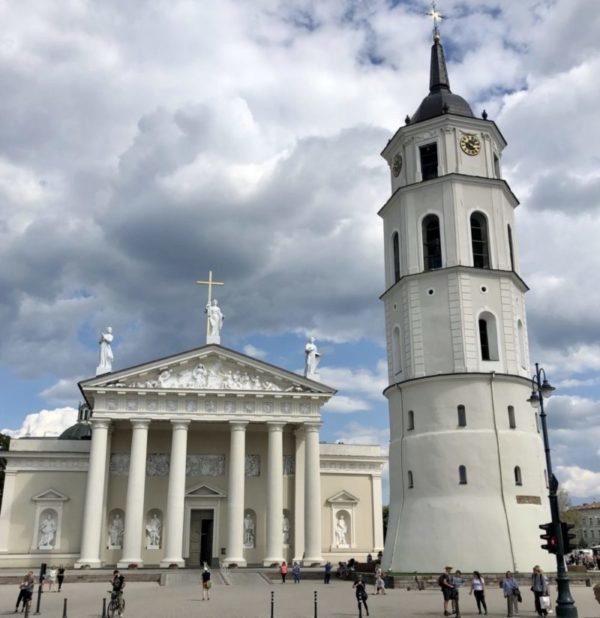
201,537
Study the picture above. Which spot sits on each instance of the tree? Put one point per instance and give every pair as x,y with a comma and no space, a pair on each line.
4,444
570,515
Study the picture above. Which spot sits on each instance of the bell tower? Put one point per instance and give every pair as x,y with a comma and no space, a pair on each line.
467,471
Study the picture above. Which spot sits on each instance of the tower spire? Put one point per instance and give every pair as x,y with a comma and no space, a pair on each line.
438,73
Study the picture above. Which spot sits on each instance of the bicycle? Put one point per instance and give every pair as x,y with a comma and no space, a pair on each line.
116,605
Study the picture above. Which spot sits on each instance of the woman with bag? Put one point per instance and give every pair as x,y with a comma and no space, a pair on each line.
361,595
510,586
539,587
205,583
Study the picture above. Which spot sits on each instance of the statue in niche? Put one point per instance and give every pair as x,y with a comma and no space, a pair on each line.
115,532
153,529
312,358
106,353
215,319
286,530
341,530
249,531
47,532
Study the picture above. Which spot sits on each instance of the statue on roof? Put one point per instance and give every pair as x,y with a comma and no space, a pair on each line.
312,358
106,354
214,322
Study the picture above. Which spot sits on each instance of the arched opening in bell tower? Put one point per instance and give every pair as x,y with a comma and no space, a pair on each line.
432,243
479,240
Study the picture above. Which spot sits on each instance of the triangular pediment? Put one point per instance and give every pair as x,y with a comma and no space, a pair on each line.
50,495
343,497
204,491
206,369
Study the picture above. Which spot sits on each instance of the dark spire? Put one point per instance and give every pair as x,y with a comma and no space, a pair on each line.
438,73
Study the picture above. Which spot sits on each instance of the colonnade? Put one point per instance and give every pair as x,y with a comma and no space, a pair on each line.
307,528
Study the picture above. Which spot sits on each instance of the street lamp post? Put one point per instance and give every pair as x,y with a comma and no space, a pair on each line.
565,604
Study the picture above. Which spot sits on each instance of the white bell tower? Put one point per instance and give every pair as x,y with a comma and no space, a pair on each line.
467,468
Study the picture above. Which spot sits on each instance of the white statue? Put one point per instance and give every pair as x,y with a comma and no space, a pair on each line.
215,322
106,354
312,358
153,531
47,533
286,530
249,532
115,532
340,532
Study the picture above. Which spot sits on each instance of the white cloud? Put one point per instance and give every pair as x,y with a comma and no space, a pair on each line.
253,351
341,404
44,423
579,482
358,433
64,391
358,380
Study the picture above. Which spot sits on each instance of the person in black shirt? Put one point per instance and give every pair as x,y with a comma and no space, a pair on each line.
205,583
118,583
61,576
361,595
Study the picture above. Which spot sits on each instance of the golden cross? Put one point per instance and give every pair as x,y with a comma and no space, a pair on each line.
436,16
209,283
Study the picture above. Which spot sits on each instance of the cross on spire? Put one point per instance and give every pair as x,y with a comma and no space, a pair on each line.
210,284
436,16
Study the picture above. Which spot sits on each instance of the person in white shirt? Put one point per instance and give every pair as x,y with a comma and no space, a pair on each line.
478,589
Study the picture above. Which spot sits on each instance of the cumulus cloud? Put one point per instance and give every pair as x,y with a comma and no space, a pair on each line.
579,482
251,350
44,423
342,404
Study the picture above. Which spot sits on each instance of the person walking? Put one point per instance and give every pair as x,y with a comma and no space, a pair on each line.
379,581
52,573
206,584
283,571
25,591
478,589
510,586
457,581
328,568
360,590
446,586
60,576
539,587
296,572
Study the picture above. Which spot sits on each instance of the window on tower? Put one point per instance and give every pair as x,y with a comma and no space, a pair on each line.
396,351
518,478
462,475
479,240
510,248
429,161
521,336
411,482
462,416
512,422
488,337
432,243
411,420
497,166
396,246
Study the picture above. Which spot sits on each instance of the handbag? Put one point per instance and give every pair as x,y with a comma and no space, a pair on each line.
545,602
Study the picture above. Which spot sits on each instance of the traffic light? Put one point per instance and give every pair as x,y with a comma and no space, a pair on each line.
551,544
567,536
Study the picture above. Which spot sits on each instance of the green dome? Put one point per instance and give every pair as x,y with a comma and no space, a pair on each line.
79,431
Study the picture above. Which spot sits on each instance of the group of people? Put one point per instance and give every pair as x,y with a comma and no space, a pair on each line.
283,571
54,575
450,584
581,558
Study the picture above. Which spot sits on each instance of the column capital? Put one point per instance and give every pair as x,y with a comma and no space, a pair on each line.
275,425
100,423
238,425
140,422
299,432
312,427
180,424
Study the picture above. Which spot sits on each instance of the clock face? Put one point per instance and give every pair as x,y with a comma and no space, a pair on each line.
470,144
397,165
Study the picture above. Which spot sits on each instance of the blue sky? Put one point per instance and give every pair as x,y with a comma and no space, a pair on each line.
146,143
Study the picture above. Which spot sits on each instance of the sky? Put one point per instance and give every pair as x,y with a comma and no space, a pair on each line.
145,143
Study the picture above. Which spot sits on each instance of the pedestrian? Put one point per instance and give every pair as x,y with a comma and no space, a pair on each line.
478,589
206,584
539,587
283,571
60,576
379,581
360,591
457,582
25,591
52,573
446,586
296,572
510,586
328,568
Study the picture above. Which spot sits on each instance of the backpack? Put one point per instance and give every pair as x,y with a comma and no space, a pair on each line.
442,579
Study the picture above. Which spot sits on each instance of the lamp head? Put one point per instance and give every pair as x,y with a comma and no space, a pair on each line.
547,388
534,400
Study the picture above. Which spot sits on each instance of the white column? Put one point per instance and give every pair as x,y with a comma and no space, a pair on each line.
377,513
299,496
275,495
10,479
134,504
312,501
235,495
173,529
94,496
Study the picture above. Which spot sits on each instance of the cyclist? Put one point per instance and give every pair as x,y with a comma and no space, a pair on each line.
118,583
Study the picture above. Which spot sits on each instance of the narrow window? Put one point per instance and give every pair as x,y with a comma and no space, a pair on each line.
518,478
396,245
429,161
512,423
497,166
510,248
521,337
411,483
396,351
479,240
462,475
432,244
411,420
462,416
488,337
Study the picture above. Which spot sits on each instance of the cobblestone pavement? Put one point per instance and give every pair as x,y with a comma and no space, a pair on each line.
149,600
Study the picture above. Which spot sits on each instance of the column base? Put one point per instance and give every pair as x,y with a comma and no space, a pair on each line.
316,561
241,562
87,564
125,564
167,564
267,562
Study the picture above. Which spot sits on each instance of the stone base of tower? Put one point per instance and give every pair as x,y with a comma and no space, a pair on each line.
455,498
